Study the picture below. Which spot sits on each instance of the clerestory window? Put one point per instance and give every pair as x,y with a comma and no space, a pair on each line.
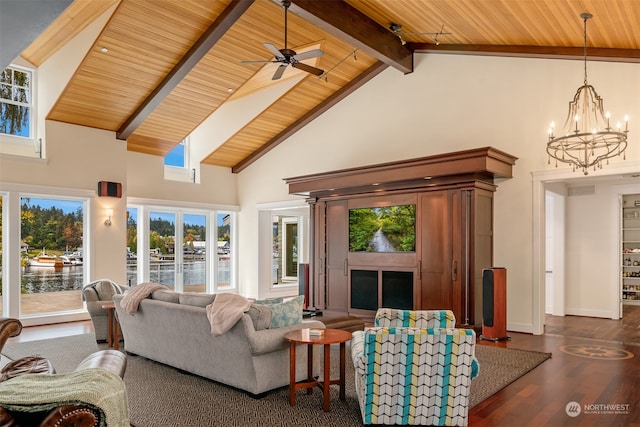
176,157
16,102
17,111
177,166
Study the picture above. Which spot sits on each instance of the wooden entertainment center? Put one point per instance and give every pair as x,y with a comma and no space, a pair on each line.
452,197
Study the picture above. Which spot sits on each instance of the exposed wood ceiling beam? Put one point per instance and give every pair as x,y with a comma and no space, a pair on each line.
553,52
220,26
344,21
338,96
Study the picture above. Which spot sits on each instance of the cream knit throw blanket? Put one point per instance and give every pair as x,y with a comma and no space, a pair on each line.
94,386
133,296
225,311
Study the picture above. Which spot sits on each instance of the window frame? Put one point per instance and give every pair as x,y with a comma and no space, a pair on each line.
266,212
16,144
11,269
184,173
145,206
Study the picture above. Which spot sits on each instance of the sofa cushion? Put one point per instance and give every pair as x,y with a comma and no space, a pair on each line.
286,313
166,295
260,316
196,299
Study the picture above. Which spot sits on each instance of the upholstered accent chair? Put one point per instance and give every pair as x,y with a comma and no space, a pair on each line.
96,294
414,367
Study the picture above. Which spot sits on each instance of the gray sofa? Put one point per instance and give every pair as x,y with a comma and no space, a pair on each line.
179,335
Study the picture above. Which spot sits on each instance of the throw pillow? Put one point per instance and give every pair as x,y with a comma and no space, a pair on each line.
268,301
287,312
260,316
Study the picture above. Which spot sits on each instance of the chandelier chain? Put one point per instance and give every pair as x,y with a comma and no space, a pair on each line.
585,17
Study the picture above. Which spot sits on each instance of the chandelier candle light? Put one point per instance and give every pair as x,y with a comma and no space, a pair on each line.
587,138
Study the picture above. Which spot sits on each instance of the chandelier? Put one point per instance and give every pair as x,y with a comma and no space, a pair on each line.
587,137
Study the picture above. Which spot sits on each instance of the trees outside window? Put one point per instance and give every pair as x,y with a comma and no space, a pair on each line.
52,274
16,102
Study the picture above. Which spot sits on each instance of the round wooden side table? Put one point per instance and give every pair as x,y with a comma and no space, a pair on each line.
328,337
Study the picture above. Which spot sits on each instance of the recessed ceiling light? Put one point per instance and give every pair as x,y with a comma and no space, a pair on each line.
230,89
104,50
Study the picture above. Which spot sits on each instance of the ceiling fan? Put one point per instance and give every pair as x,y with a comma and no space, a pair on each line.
287,56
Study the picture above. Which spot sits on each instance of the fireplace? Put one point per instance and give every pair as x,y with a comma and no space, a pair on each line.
371,289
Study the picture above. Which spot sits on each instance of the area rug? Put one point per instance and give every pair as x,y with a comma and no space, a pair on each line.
163,396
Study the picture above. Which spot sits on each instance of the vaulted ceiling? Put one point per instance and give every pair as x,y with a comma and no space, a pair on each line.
160,68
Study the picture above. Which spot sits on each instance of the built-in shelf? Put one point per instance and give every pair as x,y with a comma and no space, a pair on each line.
630,239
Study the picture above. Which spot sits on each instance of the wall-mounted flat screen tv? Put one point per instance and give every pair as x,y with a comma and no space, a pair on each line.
383,229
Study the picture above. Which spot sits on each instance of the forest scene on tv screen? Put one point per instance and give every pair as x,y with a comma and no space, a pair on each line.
383,229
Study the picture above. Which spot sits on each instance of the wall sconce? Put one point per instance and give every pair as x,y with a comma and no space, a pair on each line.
107,221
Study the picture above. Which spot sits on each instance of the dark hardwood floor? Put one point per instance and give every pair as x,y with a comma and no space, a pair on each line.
595,367
595,363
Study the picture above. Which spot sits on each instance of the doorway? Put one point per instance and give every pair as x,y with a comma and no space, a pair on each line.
591,230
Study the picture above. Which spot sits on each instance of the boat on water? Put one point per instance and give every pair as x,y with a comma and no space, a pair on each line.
69,259
44,260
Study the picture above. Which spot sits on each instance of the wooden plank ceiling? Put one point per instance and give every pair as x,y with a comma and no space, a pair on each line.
169,64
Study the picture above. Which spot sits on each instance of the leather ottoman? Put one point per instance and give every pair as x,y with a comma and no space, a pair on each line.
340,320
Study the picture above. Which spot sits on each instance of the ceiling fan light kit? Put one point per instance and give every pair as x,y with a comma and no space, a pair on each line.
587,137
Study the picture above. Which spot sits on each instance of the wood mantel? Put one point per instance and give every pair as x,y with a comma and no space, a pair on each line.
480,164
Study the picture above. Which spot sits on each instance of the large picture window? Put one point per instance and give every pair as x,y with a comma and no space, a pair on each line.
185,249
43,253
51,233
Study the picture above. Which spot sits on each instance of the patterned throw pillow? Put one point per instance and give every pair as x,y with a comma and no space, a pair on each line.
269,301
285,313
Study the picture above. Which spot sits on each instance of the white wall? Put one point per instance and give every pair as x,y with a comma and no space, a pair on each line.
588,250
145,179
450,103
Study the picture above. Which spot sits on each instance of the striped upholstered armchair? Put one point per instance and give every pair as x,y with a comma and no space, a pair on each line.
414,367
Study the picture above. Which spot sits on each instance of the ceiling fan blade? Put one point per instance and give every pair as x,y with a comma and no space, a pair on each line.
307,68
274,50
279,72
308,55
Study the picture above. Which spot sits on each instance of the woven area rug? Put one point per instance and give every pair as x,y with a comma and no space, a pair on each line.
163,396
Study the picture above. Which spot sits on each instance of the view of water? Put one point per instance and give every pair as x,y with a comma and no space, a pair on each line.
47,279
